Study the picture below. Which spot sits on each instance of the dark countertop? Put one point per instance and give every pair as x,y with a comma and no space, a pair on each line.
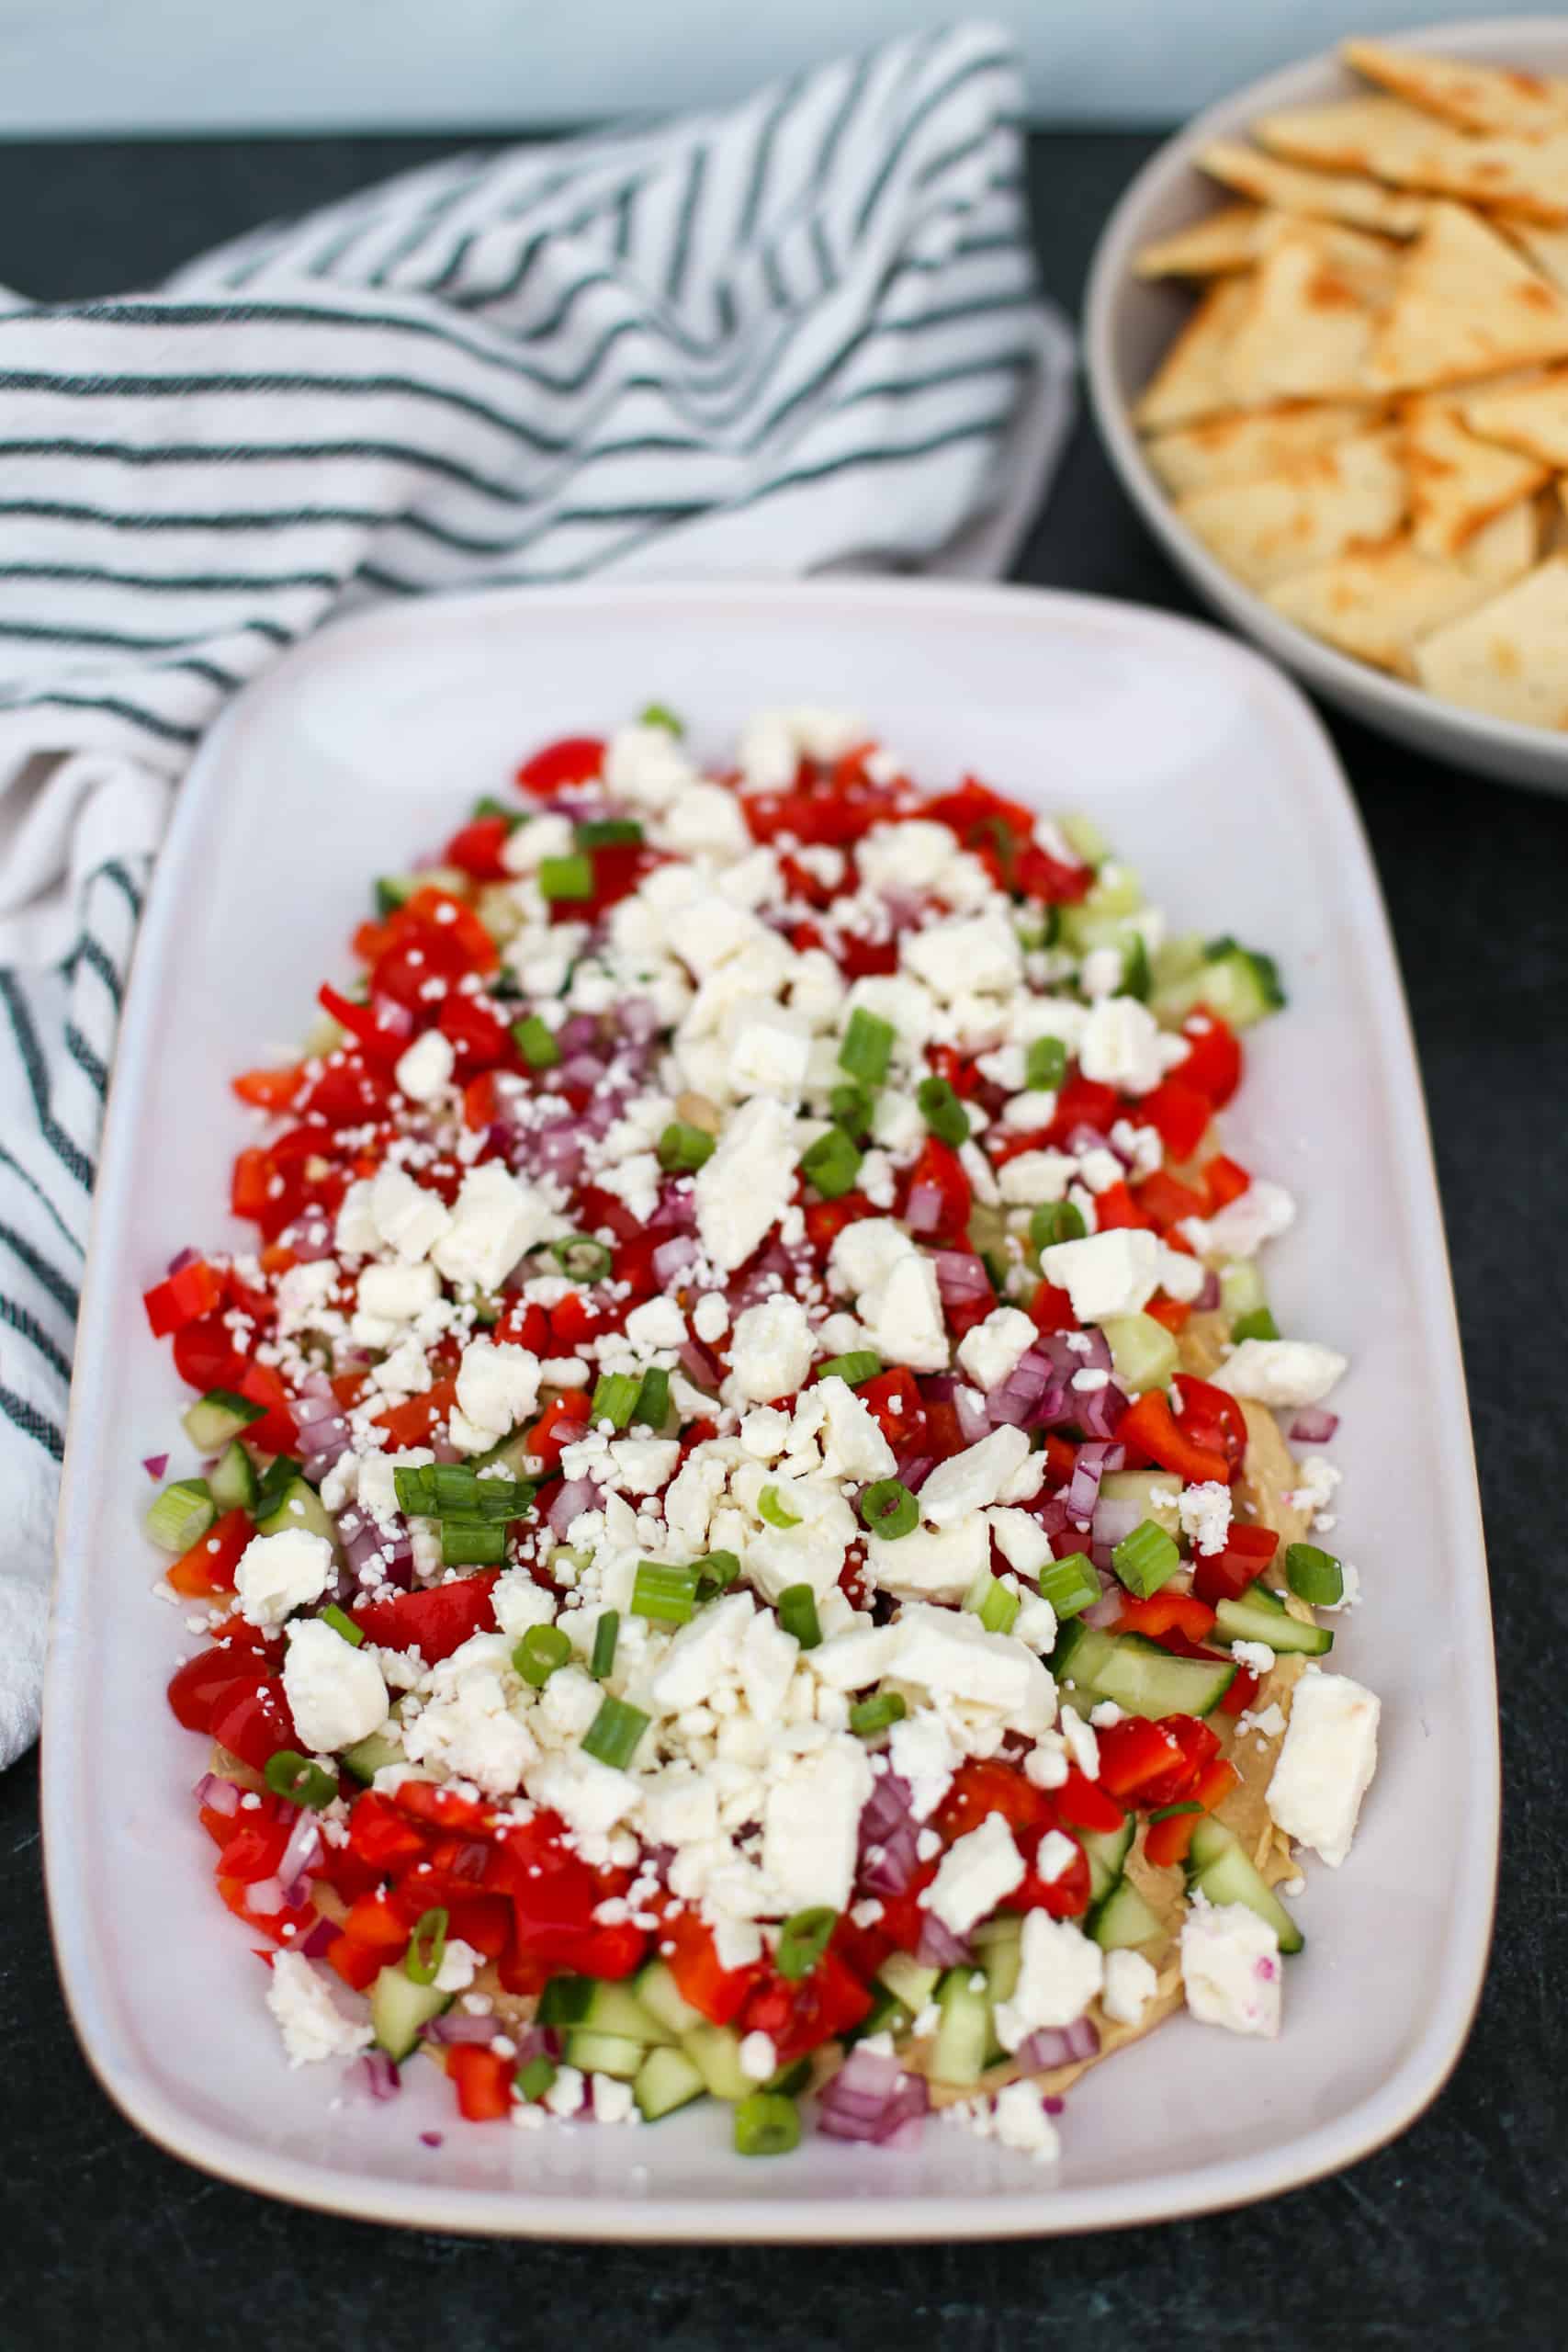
1454,2236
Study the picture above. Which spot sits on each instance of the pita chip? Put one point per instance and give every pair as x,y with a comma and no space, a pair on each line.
1509,657
1349,196
1229,240
1505,548
1250,442
1310,326
1376,601
1458,483
1466,304
1547,248
1476,96
1396,143
1531,417
1352,494
1189,381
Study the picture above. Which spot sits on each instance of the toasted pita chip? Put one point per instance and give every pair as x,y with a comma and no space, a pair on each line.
1325,196
1377,602
1531,417
1352,494
1398,143
1547,248
1189,382
1505,548
1466,304
1458,483
1250,442
1317,301
1477,97
1225,241
1509,658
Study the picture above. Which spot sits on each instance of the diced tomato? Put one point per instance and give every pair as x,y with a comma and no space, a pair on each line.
981,1788
1115,1207
480,1038
944,1435
1083,1102
685,1943
1180,1114
825,1220
1227,1575
1224,1181
476,848
269,1089
1083,1805
276,1431
1242,1692
1215,1782
1172,1312
435,1622
1151,1427
1050,1309
893,1401
358,1964
1213,1060
801,2013
410,1423
962,1076
1066,1896
208,1566
1061,1455
938,1178
1161,1611
483,2080
1141,1762
380,1835
181,1299
205,1354
1213,1419
248,1189
252,1721
574,758
1165,1202
866,959
561,1423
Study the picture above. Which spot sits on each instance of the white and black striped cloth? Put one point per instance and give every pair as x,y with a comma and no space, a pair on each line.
805,333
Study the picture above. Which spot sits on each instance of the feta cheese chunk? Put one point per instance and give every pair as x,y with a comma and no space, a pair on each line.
423,1069
1021,2122
495,1219
1230,1966
896,1296
771,1350
1130,1986
1240,1229
977,952
1120,1045
1326,1764
1204,1512
497,1386
279,1574
1106,1273
811,1825
312,2025
976,1872
748,1183
1280,1371
1059,1974
930,1563
335,1690
982,1474
994,1348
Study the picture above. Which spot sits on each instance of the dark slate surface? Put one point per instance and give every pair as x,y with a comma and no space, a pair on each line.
1452,2236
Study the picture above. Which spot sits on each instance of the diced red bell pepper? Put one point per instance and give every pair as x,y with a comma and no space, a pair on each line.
208,1566
382,1027
1150,1426
1172,1312
373,1921
478,1037
1084,1102
983,1787
285,1925
1166,1202
825,1220
410,1423
685,1943
799,2015
524,1326
442,1808
205,1354
1115,1208
1243,1688
1066,1896
380,1835
483,2080
1224,1181
436,1620
1161,1611
1213,1418
254,1723
1083,1805
248,1189
573,759
1213,1060
276,1431
1050,1309
894,1402
476,849
269,1089
1227,1575
1180,1114
254,1846
939,1172
1166,1841
181,1299
1143,1763
1061,1456
560,1424
358,1964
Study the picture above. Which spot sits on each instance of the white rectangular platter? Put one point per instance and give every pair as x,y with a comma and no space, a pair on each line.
1210,773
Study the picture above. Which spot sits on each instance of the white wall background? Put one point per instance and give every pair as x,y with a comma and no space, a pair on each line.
134,66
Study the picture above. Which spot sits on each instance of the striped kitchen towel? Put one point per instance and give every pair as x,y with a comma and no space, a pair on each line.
806,332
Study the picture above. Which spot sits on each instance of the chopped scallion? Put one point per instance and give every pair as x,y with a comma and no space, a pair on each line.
858,1366
1070,1584
606,1634
1045,1064
614,1397
833,1164
535,1041
771,1507
943,1111
540,1651
581,1258
1057,1221
658,715
766,2124
652,1407
802,1939
612,1735
1259,1324
989,1600
717,1571
1147,1558
850,1105
566,877
889,1509
427,1946
298,1780
867,1046
341,1622
1313,1576
682,1148
667,1595
473,1543
797,1615
868,1716
181,1516
608,833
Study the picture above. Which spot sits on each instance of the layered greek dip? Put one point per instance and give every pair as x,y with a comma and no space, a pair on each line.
742,1542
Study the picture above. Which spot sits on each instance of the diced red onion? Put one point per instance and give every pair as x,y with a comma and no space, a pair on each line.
303,1850
1016,1400
1084,1139
961,1276
1106,1610
314,1945
579,1034
637,1020
677,1210
432,2139
1083,1488
700,1368
571,1499
181,1260
1100,1410
673,1256
311,1238
265,1895
923,1214
456,2025
380,2075
324,1435
216,1794
1209,1296
888,1853
939,1947
1064,2045
914,1469
1115,1519
871,2098
1313,1426
1052,1512
583,1069
154,1465
442,1448
974,1418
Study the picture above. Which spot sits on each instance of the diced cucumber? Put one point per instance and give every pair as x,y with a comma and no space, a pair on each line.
999,1948
399,2008
1260,1618
395,891
1083,835
1124,1920
1116,890
661,1995
665,2079
1241,1289
511,1454
1143,1352
1239,984
214,1419
300,1507
1084,928
599,2006
181,1516
605,2053
885,2014
1176,959
964,2037
1158,1493
1219,1870
369,1756
908,1981
715,2052
1107,1851
1081,1651
233,1480
1143,1679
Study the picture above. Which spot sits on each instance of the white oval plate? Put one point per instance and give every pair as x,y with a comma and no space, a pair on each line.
360,749
1129,321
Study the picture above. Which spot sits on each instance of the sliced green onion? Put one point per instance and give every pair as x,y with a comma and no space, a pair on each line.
667,1595
850,1105
1146,1559
472,1542
1313,1576
657,715
868,1047
1045,1064
802,1939
296,1778
614,1397
606,1634
766,2124
943,1111
487,805
537,2077
566,877
989,1600
1169,1812
1136,977
452,1490
535,1041
833,1164
683,1149
581,1258
868,1716
1057,1221
858,1366
889,1509
182,1515
427,1946
537,1655
1070,1584
341,1622
771,1507
797,1615
1259,1324
717,1571
652,1407
1265,970
614,1732
608,833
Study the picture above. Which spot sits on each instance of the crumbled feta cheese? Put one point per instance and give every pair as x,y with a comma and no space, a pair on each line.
1204,1512
993,1348
967,1482
1082,1745
424,1069
1257,1657
1021,2123
657,1323
811,1823
710,1316
497,1386
312,2025
967,953
277,1574
460,1963
975,1873
495,1219
1105,1274
1022,1540
1130,1986
406,1219
334,1689
1326,1764
1240,1229
1120,1045
1230,1966
771,1351
1060,1972
1279,1372
745,1187
758,2058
